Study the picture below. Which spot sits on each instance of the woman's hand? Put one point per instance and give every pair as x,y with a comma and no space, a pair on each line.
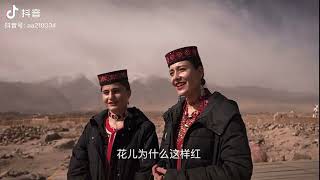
158,172
161,170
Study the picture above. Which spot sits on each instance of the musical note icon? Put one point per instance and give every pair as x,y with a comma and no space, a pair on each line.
12,13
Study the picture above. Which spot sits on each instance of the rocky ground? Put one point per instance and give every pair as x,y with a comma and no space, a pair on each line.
42,150
36,152
284,139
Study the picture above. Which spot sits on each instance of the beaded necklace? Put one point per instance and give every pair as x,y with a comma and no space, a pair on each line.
186,122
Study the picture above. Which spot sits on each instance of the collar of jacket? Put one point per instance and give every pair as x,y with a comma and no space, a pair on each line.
134,118
216,116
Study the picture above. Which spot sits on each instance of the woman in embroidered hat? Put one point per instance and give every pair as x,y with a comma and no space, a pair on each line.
204,136
111,144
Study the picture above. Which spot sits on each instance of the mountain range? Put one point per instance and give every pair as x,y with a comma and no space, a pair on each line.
79,94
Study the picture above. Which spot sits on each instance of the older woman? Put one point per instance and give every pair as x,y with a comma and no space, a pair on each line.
109,146
204,136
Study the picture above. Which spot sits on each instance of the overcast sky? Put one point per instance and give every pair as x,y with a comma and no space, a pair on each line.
268,43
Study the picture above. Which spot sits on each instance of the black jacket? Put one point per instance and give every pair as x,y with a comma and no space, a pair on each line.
88,161
219,134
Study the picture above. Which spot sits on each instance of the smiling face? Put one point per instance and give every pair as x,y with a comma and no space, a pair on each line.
116,97
185,78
